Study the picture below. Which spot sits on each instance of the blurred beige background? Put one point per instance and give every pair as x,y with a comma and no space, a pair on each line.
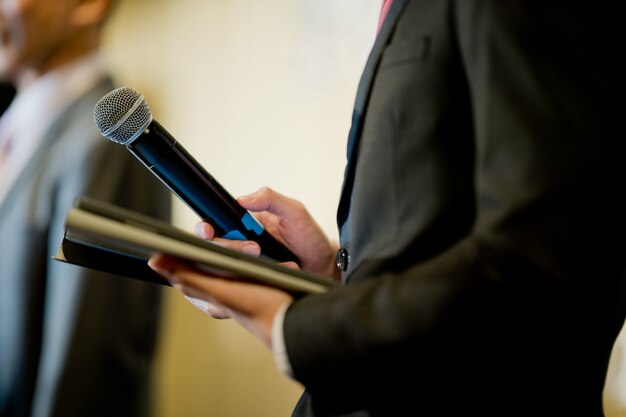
261,93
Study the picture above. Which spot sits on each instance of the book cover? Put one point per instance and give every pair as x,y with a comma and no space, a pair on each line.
102,236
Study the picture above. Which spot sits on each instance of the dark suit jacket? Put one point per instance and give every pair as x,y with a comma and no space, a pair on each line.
81,341
484,213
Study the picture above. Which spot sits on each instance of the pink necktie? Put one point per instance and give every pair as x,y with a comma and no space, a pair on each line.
383,12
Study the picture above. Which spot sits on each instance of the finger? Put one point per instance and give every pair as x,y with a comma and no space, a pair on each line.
164,265
168,267
204,230
266,199
194,283
246,246
291,264
243,297
213,309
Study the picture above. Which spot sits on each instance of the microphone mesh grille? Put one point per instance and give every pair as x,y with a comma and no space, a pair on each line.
122,115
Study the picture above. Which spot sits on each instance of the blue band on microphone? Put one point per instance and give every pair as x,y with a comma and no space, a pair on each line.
251,223
234,235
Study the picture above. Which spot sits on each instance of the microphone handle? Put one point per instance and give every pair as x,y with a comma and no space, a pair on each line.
190,182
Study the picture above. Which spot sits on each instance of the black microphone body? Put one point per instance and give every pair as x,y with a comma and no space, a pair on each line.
155,147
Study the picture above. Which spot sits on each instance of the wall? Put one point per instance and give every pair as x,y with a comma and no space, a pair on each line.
261,93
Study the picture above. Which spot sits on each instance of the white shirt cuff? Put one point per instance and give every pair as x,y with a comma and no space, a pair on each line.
279,350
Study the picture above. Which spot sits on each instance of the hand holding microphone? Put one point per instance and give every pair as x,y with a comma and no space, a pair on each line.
123,116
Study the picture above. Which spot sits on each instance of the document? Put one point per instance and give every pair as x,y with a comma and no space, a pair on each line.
102,236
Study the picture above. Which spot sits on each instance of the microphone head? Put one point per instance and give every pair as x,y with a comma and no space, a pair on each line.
122,115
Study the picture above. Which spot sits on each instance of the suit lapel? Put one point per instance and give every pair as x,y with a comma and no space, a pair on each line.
360,105
35,162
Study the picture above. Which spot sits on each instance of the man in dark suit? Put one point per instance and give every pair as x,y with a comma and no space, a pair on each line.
73,342
482,222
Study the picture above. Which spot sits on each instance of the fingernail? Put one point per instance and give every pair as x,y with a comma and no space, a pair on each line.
154,262
251,249
249,197
199,230
245,198
162,268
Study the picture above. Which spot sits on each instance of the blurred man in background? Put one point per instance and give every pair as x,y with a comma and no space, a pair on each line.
73,342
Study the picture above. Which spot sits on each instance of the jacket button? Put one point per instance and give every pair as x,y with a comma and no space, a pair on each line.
342,259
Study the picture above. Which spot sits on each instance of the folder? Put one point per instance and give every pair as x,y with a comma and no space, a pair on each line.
102,236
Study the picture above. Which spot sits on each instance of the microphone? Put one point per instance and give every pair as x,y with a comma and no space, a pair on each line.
123,116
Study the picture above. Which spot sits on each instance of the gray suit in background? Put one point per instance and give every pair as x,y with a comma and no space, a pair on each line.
73,341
